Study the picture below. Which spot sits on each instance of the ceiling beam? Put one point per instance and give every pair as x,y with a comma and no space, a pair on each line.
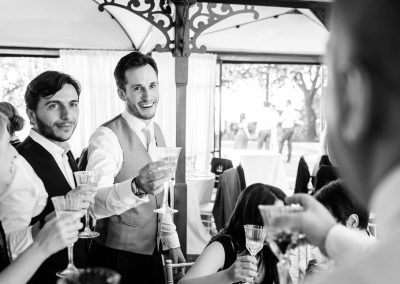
306,4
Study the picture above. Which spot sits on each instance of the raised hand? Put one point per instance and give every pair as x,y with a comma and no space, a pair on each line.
314,221
152,177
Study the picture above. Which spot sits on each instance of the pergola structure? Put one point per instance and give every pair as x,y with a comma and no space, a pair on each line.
186,31
181,22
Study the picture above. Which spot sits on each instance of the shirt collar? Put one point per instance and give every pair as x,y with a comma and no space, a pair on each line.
51,147
137,124
385,203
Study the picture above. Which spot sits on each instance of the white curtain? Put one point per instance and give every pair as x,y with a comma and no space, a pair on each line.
99,101
200,109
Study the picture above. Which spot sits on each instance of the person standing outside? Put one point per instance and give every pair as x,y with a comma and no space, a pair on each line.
123,150
287,120
266,124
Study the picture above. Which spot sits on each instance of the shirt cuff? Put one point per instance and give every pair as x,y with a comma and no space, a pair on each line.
170,242
18,245
126,195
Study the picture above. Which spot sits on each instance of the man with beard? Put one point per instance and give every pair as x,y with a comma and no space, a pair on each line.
363,118
123,150
52,105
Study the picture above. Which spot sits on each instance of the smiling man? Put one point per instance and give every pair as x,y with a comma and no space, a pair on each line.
52,106
123,150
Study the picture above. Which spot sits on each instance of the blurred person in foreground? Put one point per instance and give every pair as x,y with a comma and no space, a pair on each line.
363,116
16,122
345,208
54,236
225,259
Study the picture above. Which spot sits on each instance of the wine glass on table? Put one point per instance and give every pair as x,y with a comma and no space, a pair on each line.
255,236
280,240
87,182
170,155
65,205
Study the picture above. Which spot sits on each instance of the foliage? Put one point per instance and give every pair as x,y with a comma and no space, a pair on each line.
17,72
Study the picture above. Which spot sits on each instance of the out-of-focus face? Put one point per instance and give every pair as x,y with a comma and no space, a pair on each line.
55,118
8,154
336,109
141,92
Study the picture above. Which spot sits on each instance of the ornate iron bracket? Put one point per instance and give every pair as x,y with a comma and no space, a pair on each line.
160,15
209,14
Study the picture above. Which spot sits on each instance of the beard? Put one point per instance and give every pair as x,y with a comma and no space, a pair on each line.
48,132
133,109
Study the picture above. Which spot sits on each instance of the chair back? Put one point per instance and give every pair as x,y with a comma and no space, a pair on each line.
241,177
168,269
227,195
302,178
218,166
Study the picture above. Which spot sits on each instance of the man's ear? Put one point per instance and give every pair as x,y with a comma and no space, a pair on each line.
357,110
121,94
352,221
31,116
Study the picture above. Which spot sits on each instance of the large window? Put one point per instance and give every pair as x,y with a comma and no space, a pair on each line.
15,75
245,87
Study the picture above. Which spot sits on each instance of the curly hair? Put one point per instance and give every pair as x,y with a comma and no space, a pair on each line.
16,122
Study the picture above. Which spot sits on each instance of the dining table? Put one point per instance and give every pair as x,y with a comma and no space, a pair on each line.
261,166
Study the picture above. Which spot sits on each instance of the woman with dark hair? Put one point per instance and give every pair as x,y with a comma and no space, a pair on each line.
16,122
225,259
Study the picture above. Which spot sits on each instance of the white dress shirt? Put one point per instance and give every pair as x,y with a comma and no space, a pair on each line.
22,200
289,118
59,154
364,260
105,155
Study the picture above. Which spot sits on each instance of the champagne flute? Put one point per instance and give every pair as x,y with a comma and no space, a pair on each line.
170,155
87,181
280,240
66,205
255,236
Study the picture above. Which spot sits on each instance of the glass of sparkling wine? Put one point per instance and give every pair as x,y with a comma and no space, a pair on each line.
170,155
255,236
280,240
87,182
63,205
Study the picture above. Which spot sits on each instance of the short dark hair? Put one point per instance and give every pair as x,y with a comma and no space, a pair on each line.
46,85
342,203
16,122
132,60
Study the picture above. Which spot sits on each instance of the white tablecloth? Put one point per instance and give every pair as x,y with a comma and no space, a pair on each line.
199,191
261,166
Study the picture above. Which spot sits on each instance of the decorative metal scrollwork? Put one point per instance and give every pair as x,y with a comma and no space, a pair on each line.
159,14
207,15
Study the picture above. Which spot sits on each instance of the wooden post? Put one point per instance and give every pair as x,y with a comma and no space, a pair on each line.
181,80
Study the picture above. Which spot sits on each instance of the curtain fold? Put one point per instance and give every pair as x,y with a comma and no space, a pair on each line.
99,101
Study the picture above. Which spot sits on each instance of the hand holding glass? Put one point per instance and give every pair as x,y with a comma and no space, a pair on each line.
87,182
170,155
66,205
255,236
280,240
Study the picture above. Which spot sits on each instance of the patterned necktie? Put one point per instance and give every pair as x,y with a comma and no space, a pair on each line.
147,134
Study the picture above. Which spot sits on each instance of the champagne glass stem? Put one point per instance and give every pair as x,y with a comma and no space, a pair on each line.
283,271
165,197
71,255
87,221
